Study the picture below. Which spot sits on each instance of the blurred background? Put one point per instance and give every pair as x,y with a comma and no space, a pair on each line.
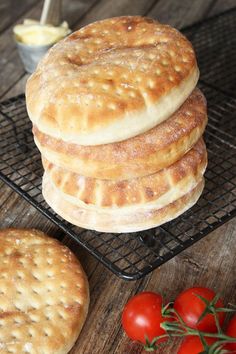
77,13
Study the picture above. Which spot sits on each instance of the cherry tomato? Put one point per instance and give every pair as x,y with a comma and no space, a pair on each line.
193,345
142,317
231,331
190,308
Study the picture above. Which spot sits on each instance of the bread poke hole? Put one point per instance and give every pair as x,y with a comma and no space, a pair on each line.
152,56
112,106
139,79
144,66
151,84
105,87
90,84
99,104
16,321
177,68
165,63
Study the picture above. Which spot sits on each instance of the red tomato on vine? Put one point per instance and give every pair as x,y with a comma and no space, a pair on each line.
193,345
190,308
142,317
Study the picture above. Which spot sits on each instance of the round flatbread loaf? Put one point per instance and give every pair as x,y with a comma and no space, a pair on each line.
140,156
111,80
44,294
109,220
158,189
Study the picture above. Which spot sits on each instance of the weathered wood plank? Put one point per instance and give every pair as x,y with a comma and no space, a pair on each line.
181,13
17,212
10,11
215,268
220,6
211,262
11,68
99,11
16,89
105,9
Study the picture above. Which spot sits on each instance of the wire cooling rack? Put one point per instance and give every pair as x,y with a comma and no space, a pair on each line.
131,256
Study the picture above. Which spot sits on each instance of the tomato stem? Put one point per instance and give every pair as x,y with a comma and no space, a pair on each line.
175,326
186,331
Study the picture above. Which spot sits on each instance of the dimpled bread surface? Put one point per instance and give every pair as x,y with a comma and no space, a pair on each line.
139,156
157,189
44,294
111,80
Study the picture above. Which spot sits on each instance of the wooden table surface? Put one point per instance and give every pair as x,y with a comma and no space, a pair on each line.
210,262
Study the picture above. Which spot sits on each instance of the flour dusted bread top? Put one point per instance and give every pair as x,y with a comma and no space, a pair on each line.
111,80
44,294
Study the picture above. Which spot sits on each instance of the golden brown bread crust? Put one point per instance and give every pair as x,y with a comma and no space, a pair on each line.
187,171
139,156
110,220
112,80
44,294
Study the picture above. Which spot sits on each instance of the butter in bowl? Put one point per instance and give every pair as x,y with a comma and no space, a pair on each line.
34,39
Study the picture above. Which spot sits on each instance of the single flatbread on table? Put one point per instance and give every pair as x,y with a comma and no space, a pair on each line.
44,294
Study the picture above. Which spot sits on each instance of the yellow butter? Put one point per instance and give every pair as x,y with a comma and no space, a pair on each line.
33,33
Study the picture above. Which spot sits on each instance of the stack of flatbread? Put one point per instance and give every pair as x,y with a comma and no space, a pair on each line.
119,121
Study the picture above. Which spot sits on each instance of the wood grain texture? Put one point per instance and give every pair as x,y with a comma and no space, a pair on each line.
181,13
222,5
106,8
211,262
10,11
11,68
